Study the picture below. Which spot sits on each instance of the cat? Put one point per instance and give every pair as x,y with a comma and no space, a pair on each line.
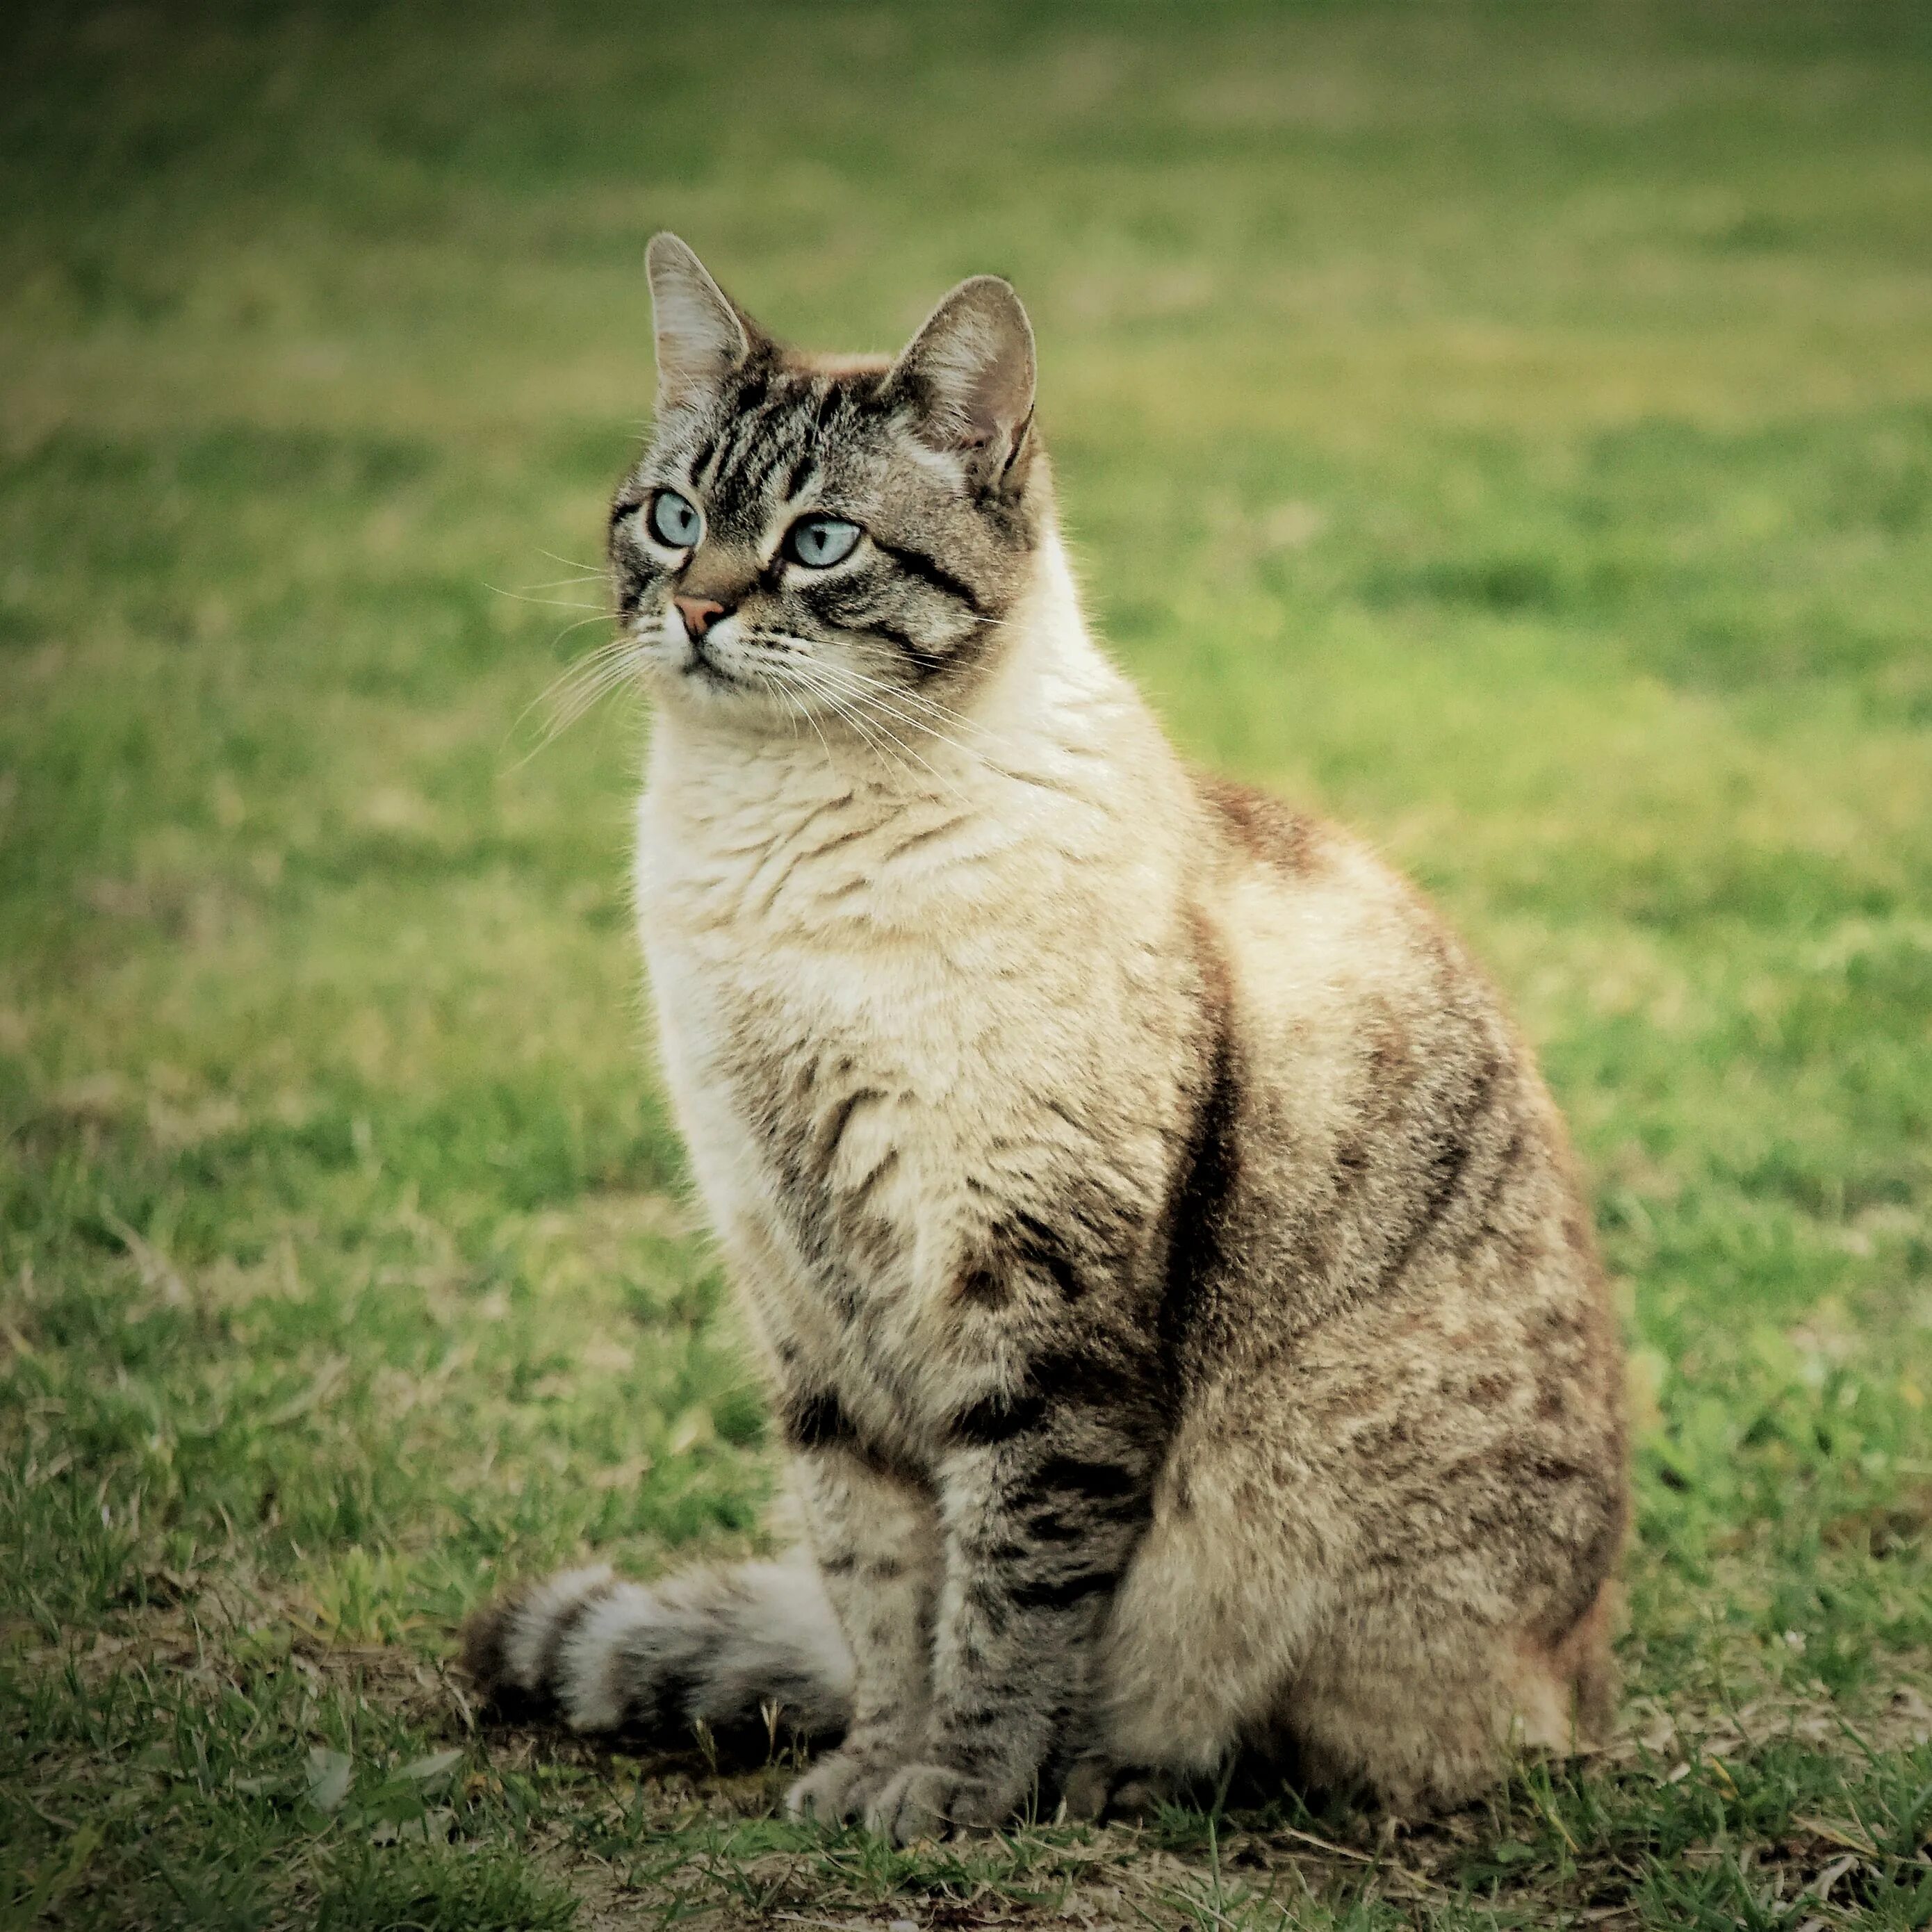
1167,1264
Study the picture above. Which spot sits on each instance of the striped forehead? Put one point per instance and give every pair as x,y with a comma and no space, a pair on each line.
767,439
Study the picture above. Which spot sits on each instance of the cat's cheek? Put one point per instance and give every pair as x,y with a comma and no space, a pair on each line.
665,646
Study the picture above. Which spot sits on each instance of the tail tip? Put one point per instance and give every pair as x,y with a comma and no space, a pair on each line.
484,1648
508,1649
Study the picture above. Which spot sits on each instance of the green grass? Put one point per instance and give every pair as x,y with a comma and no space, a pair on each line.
1509,427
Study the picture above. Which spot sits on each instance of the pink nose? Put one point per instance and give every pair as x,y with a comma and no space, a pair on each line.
699,613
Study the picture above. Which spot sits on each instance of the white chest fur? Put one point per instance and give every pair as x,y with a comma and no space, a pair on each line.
899,1001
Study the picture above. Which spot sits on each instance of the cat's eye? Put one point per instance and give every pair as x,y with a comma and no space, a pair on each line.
819,542
674,520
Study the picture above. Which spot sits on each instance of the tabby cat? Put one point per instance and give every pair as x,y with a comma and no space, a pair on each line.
1164,1257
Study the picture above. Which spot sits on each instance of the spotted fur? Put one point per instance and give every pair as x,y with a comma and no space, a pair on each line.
1165,1260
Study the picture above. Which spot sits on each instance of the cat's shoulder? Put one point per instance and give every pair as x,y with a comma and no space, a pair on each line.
1298,896
1258,826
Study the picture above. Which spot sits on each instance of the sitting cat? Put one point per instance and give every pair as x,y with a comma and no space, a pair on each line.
1164,1257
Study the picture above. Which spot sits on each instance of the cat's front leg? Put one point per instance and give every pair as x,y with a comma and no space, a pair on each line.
1042,1503
876,1538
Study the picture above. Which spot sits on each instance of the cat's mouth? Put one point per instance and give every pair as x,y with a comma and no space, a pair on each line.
701,663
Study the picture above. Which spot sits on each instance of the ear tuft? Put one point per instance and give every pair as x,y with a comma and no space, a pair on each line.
702,334
969,373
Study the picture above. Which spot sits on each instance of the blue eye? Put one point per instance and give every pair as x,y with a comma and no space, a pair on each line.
674,520
819,542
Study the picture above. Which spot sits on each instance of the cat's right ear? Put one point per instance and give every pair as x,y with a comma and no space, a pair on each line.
702,334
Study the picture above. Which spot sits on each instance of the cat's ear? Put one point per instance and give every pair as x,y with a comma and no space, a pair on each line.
702,334
968,375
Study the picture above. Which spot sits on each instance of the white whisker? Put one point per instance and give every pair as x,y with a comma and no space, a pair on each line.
810,677
562,603
897,702
867,723
582,686
887,704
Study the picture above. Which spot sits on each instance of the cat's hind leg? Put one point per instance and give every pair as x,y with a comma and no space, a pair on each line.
1424,1706
1211,1621
1260,1610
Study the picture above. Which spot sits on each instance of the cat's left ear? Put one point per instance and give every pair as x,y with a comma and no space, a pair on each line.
968,375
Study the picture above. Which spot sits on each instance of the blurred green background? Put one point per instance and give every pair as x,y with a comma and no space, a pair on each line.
1508,427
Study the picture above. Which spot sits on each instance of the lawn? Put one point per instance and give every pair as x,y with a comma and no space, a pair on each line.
1509,427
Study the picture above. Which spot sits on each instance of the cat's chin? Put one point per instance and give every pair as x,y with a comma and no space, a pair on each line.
707,674
719,699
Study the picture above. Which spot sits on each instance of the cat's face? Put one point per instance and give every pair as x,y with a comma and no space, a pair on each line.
816,541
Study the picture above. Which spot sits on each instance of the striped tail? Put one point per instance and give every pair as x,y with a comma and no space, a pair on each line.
754,1649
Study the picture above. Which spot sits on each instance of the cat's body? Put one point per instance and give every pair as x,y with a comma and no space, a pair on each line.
1163,1256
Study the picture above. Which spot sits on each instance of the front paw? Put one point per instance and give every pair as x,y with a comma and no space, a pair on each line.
925,1801
841,1787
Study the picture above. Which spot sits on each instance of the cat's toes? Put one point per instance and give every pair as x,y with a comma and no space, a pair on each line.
1097,1788
926,1800
1139,1797
1089,1785
839,1788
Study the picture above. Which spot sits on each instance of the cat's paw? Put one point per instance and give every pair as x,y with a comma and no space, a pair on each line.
1140,1799
841,1788
1097,1788
926,1800
1089,1785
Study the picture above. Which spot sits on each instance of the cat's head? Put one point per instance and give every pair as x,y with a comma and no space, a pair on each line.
826,538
